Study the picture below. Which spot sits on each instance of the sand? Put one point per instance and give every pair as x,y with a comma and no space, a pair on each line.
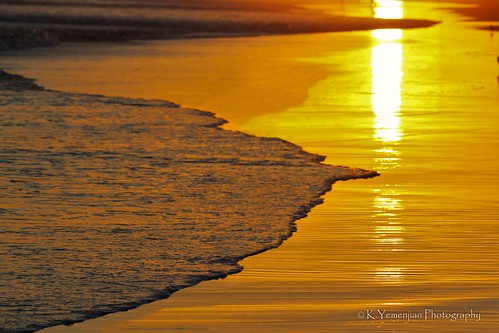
421,237
35,24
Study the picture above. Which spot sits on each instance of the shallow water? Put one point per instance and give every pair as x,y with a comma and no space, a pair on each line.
419,106
109,203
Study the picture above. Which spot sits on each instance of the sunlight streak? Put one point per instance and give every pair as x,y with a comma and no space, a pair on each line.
387,57
388,9
386,97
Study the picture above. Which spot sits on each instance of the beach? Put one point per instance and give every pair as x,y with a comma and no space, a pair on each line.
49,23
412,250
111,202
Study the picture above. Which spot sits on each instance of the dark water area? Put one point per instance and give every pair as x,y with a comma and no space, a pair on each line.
45,23
109,203
479,10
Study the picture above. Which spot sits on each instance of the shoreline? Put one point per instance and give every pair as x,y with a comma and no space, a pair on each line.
382,251
259,252
25,26
15,38
17,87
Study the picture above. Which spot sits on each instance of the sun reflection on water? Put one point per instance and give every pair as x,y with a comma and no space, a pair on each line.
390,275
386,101
388,9
386,67
388,230
386,97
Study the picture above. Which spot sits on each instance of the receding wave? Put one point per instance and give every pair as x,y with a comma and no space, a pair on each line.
109,203
38,23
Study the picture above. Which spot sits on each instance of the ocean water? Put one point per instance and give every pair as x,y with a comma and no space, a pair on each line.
420,106
108,203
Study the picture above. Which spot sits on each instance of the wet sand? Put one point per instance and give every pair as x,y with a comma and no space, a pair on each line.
421,237
479,10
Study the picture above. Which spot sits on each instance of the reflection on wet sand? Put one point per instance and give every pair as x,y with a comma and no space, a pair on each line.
419,106
387,57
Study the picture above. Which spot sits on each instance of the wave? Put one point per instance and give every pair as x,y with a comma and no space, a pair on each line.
110,203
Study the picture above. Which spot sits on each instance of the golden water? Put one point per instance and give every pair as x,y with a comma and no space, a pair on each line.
419,106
